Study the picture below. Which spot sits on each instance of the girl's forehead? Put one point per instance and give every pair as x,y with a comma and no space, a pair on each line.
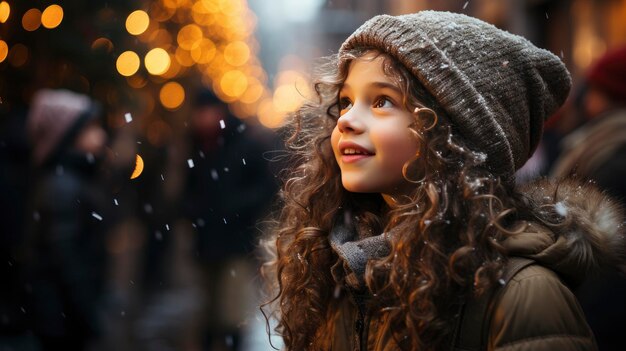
367,68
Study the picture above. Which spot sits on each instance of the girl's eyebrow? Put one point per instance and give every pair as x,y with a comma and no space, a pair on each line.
379,85
383,85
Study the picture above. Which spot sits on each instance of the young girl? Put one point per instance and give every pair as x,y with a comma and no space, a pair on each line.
400,211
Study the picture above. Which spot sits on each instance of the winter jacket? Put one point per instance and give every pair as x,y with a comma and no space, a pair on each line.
536,309
65,257
227,190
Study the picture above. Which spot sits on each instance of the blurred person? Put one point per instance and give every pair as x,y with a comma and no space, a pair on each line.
596,150
64,253
228,188
14,165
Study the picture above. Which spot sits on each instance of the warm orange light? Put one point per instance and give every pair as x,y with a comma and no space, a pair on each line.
31,20
5,11
4,50
231,8
184,57
172,70
237,53
268,116
201,15
287,99
211,6
138,167
234,83
52,16
204,52
173,4
157,61
172,95
254,92
160,38
189,36
137,22
127,63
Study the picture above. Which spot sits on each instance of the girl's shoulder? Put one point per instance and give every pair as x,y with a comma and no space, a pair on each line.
537,311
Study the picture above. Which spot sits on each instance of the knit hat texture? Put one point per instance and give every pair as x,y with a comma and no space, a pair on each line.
609,74
52,113
496,88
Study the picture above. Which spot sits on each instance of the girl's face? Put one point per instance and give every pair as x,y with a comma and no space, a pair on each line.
372,140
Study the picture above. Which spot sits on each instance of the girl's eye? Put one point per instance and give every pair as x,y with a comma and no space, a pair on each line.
383,102
345,104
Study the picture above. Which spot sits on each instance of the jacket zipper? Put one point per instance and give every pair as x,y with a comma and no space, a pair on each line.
361,323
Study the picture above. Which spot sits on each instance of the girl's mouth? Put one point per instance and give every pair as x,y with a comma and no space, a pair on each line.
354,154
352,158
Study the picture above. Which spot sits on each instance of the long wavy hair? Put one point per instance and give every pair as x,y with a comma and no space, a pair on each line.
445,232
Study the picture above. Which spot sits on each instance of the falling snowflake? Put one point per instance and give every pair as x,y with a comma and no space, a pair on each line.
190,163
96,216
561,209
128,117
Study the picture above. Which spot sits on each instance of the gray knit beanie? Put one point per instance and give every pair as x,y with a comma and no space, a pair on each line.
496,88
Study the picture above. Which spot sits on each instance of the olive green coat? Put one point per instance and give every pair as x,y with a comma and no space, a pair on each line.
535,310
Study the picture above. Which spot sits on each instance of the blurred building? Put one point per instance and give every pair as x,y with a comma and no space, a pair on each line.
293,34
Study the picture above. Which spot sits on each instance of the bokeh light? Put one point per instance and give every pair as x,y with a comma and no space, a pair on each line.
189,36
173,4
172,95
268,116
52,16
157,61
173,69
292,89
4,50
184,57
137,22
5,11
204,52
234,83
128,63
254,92
31,20
138,167
237,53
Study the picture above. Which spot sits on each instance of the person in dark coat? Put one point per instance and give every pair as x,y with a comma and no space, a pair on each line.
64,256
596,151
228,188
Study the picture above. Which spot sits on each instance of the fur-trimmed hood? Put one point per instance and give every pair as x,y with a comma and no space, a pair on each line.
583,231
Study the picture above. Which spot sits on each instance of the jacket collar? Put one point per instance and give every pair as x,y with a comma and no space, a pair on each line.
588,234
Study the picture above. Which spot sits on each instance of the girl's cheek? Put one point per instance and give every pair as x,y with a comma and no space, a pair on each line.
398,147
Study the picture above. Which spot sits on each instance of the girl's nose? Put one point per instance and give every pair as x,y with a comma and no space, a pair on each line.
350,123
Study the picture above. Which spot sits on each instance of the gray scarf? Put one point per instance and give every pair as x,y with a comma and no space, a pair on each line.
354,252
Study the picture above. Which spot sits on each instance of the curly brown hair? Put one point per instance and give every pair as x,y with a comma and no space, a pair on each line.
444,234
